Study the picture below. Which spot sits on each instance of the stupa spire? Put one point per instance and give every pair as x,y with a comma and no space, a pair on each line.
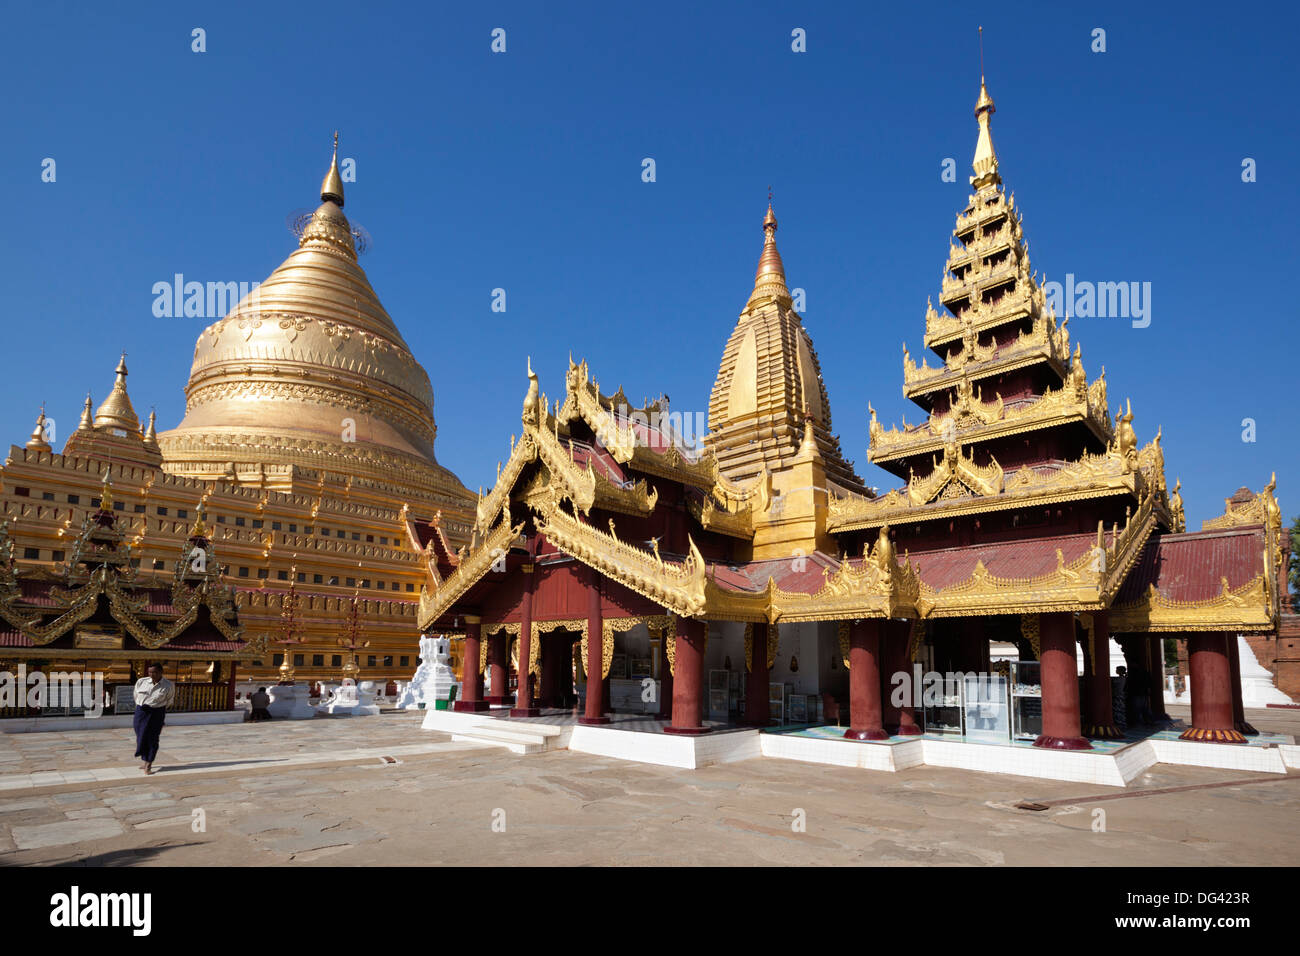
985,163
116,411
37,442
331,187
87,416
769,278
151,434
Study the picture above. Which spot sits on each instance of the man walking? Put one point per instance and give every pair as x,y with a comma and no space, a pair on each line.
153,695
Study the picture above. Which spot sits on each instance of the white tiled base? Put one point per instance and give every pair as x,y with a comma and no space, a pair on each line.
1290,755
1102,769
1223,756
666,750
1107,770
870,755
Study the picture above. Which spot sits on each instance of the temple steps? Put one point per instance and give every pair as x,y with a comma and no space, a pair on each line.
515,737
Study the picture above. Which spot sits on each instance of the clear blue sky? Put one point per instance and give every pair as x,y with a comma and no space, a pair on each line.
523,171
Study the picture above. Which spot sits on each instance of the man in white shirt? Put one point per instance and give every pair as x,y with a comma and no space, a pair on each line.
153,695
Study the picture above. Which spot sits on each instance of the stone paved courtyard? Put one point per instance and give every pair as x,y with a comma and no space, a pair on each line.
381,791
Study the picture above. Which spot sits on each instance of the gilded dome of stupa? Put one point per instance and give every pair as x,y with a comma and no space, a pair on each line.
309,370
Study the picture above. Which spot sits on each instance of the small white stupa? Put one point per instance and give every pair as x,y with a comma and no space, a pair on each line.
349,701
434,677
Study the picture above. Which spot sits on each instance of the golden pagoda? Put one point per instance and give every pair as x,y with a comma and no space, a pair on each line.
306,453
309,371
768,398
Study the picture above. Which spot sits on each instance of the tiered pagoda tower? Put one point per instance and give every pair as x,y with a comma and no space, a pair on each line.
1017,442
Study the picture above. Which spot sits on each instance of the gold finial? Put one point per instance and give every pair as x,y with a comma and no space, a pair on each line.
331,187
986,160
200,529
37,442
151,435
769,278
106,493
116,412
87,417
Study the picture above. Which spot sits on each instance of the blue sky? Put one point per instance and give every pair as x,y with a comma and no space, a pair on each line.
522,171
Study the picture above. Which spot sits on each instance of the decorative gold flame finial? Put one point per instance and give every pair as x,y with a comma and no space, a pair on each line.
331,187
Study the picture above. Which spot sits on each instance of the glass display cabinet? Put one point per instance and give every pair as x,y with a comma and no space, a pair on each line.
1026,700
942,710
987,713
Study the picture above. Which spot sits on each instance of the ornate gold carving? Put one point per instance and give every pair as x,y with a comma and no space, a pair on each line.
1249,607
679,587
1029,630
473,565
980,421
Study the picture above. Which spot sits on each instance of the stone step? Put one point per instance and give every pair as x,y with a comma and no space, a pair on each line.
515,743
520,727
515,748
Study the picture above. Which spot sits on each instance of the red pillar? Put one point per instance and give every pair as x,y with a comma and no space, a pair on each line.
1059,670
757,713
524,706
1211,682
688,680
1156,685
1096,681
499,669
866,721
1238,708
595,662
471,685
896,638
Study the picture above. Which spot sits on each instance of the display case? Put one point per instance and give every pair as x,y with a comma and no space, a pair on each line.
718,703
987,713
943,711
1026,700
798,709
776,704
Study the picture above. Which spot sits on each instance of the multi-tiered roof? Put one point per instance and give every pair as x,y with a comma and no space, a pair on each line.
1012,420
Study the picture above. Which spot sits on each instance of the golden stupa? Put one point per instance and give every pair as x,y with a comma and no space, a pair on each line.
309,372
769,384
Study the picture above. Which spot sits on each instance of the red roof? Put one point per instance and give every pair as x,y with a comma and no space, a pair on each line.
1190,567
15,639
1025,558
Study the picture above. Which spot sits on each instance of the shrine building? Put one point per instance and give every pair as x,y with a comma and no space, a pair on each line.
758,581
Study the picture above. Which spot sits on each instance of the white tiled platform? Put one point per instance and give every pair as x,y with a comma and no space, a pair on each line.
642,745
1111,769
642,741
